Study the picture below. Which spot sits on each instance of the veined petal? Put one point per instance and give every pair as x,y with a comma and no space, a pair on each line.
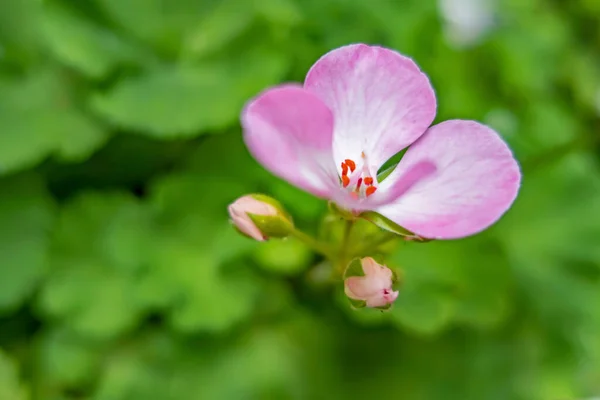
289,131
467,178
380,99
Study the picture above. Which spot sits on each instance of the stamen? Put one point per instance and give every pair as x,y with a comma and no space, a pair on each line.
350,164
360,181
370,190
345,180
364,184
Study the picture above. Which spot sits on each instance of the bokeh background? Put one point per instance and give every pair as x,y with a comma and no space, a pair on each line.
120,147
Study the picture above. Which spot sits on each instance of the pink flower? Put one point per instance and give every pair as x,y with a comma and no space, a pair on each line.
359,106
375,288
239,209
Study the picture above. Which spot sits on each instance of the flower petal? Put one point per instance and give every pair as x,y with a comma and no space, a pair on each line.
382,299
359,288
243,222
380,100
468,179
380,276
289,131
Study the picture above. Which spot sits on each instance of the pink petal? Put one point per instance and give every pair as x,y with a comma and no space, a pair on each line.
360,287
369,266
243,222
475,180
379,276
289,131
380,100
382,298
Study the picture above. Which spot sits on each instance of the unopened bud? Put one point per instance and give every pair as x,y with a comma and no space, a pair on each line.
260,217
374,288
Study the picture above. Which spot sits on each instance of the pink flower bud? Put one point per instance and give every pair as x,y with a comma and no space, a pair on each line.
375,287
247,210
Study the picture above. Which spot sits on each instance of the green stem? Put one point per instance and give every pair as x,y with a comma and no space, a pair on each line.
313,243
343,260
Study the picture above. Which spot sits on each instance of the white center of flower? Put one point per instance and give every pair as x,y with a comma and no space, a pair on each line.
360,184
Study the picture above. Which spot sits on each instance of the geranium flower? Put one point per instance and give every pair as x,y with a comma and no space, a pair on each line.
359,106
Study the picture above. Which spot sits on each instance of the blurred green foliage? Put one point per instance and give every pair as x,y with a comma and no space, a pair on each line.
120,147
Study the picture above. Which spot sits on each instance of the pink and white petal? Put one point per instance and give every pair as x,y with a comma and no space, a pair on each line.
380,99
380,277
469,178
369,266
378,300
289,131
243,222
359,287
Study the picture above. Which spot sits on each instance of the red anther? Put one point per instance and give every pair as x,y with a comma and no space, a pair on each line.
370,190
350,164
345,180
344,169
360,180
368,181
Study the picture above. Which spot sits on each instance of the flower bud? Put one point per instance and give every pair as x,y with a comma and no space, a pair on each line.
375,287
260,217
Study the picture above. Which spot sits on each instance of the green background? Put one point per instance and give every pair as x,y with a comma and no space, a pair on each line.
120,147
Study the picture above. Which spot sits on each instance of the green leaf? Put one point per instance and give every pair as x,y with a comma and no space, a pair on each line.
202,296
184,101
550,234
450,281
267,361
222,24
170,103
84,45
26,216
20,33
545,224
158,22
37,119
197,274
67,359
99,251
10,387
283,12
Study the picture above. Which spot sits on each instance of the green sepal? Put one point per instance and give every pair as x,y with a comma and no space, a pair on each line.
384,308
354,268
418,239
357,304
386,172
275,203
390,226
272,226
341,212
